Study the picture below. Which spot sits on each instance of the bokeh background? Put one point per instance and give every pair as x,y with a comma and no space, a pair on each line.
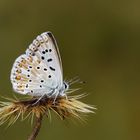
99,41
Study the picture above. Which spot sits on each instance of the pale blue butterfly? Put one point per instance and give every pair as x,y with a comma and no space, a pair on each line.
39,72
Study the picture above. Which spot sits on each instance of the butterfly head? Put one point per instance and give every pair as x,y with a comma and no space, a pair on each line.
66,86
62,90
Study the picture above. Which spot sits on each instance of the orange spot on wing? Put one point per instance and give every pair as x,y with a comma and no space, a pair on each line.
18,77
23,61
18,71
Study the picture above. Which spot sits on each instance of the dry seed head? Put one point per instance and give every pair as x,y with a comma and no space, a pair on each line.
71,107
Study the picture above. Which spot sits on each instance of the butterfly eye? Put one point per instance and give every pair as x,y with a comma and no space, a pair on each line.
66,85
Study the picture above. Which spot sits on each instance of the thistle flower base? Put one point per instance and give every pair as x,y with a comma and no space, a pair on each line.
70,107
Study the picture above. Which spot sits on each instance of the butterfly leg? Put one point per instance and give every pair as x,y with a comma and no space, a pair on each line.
66,96
55,97
38,99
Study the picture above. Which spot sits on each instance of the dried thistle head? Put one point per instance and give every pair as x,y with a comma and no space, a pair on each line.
70,107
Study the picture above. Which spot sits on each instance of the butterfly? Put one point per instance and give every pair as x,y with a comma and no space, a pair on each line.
39,71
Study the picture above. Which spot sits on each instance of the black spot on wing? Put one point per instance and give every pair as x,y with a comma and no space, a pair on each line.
49,60
42,57
51,68
43,52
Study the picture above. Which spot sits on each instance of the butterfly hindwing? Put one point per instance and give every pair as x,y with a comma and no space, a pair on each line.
39,70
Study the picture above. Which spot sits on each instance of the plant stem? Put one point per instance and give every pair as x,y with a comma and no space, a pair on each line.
36,128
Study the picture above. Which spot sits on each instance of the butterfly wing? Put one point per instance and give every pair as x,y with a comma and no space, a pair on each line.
39,70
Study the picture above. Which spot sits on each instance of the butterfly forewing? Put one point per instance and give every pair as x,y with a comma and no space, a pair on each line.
39,70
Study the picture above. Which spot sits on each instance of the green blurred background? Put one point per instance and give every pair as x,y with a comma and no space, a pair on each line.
100,42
